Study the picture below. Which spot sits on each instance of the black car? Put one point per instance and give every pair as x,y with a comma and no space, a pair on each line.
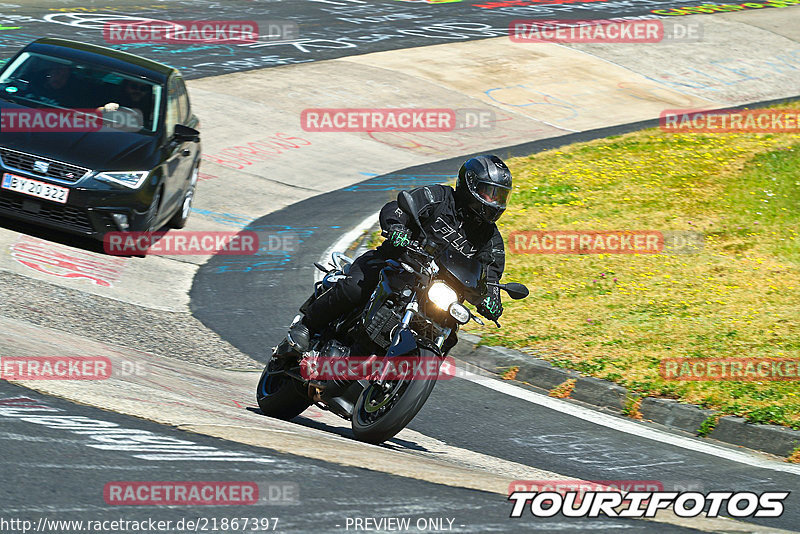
134,169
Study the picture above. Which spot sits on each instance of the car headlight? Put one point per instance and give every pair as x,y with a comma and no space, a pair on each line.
132,179
442,295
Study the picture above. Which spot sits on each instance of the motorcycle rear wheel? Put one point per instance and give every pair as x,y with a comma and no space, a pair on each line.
405,406
279,396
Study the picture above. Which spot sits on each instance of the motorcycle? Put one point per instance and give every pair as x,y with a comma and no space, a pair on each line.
416,306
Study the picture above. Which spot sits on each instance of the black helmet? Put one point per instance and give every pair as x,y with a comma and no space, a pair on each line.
484,183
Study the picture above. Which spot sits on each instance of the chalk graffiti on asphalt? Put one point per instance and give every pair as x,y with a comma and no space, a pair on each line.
329,29
268,148
572,100
397,182
109,436
65,262
95,9
505,129
268,257
716,75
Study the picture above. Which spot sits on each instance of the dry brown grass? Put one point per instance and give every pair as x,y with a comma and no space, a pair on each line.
563,390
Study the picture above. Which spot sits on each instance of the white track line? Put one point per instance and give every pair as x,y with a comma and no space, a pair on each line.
629,427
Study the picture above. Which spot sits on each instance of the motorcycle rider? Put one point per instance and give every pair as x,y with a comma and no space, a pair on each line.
463,219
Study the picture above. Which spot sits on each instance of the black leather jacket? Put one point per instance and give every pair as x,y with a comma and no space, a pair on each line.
449,227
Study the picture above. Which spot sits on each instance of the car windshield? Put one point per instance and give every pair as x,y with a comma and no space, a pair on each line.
47,81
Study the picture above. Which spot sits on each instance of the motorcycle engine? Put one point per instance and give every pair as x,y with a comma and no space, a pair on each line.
335,350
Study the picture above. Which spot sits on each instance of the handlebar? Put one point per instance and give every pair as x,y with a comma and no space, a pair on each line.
414,247
417,248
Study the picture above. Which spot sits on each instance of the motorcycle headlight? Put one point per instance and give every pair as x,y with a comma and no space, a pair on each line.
132,179
442,295
459,313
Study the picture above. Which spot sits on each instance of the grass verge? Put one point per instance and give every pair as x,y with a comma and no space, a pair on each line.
617,316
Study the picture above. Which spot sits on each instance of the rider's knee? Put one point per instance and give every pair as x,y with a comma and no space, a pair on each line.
349,289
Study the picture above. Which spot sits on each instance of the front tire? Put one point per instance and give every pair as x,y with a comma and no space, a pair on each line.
152,212
372,428
279,396
178,220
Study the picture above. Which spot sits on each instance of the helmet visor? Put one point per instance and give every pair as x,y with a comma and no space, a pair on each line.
492,194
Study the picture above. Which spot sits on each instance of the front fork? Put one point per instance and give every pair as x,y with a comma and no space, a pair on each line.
404,341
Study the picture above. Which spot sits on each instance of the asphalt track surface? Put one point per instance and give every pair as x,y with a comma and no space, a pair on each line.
50,471
56,475
327,29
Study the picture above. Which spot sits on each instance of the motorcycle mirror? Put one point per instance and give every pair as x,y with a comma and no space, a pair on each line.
516,291
409,205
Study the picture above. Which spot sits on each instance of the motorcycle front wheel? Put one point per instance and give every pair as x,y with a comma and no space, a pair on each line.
378,416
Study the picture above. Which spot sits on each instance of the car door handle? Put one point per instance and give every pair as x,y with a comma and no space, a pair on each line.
186,152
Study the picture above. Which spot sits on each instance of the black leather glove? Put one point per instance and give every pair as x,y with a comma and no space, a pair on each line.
399,235
491,306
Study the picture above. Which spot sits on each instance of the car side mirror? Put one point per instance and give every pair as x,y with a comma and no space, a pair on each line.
184,133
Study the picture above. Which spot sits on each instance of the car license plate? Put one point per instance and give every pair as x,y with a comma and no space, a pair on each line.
35,188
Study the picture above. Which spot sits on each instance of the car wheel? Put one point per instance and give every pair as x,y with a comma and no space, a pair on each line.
182,215
152,213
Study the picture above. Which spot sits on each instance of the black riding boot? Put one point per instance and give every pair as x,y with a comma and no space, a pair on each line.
326,308
346,294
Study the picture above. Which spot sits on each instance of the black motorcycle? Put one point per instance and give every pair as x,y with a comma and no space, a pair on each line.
416,306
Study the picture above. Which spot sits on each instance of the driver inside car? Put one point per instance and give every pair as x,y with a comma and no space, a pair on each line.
462,219
135,96
55,86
